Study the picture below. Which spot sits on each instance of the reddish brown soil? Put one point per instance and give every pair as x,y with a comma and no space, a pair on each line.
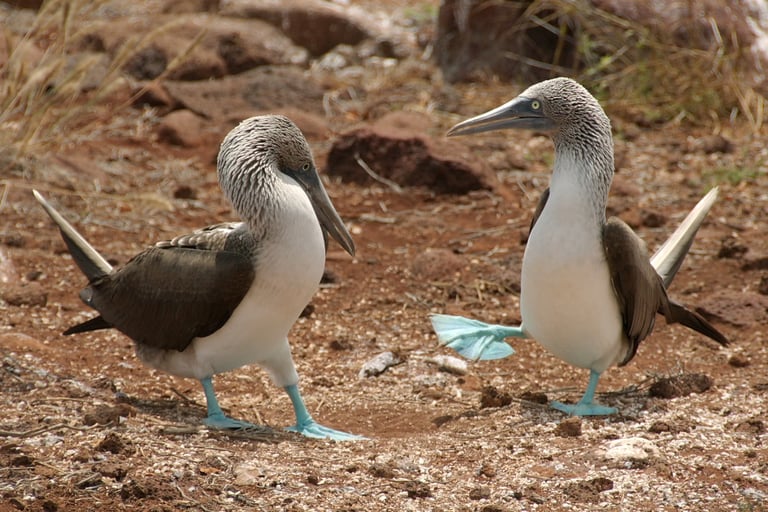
431,445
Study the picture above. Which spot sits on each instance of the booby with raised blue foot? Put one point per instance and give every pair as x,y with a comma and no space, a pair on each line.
589,291
227,295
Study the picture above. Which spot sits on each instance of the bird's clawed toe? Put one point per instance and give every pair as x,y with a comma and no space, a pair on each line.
316,431
583,409
220,421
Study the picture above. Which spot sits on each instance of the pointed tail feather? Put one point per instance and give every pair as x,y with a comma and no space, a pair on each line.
668,258
474,339
680,314
86,257
94,324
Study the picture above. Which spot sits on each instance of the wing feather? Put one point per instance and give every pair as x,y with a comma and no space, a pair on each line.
638,287
170,294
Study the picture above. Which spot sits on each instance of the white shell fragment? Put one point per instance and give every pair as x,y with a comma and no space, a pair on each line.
631,449
379,364
450,364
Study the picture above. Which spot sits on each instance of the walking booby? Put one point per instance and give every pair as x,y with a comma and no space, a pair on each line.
227,295
589,293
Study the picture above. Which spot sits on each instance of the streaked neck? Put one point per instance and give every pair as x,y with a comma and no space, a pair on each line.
582,183
583,171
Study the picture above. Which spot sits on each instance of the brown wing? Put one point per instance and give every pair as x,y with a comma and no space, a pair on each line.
176,291
638,287
539,208
640,290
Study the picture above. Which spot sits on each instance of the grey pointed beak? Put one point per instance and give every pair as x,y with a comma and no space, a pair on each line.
326,213
518,114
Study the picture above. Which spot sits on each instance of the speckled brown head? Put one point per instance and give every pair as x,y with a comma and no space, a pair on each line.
252,158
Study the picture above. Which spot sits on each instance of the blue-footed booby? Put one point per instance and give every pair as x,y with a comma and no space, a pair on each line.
226,296
589,292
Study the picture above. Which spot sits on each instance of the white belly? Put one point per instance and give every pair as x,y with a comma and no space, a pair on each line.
567,302
290,266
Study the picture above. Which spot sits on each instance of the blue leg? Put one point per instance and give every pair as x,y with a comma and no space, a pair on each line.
308,427
216,417
586,406
474,339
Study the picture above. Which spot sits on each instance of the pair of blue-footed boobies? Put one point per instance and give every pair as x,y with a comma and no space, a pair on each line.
226,295
589,292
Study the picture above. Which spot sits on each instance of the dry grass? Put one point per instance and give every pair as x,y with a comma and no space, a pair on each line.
46,104
647,69
38,99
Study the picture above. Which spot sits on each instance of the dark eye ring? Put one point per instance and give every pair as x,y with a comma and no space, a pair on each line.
305,167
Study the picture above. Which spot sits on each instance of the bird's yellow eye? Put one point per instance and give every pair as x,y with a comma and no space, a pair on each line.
535,104
305,167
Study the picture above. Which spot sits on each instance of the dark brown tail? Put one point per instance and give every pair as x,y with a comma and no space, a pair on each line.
94,324
680,314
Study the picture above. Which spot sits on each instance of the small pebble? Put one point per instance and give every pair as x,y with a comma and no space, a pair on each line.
111,443
480,493
731,247
381,470
657,427
487,470
417,490
185,192
753,426
680,385
651,219
492,397
536,397
762,288
341,344
738,361
569,427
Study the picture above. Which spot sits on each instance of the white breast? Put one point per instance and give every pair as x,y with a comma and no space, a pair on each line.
567,302
290,266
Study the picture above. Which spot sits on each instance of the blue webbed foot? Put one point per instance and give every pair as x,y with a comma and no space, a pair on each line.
216,418
474,339
308,427
317,431
586,406
220,421
582,409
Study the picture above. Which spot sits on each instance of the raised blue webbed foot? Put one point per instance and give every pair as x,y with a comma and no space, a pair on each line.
473,339
582,409
220,421
317,431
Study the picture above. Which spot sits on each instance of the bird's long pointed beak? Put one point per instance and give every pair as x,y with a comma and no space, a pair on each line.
326,213
519,113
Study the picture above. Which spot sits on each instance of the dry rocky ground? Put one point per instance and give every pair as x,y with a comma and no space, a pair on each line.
86,427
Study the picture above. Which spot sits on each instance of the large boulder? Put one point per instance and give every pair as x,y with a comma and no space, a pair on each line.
226,45
265,88
529,40
397,148
312,24
476,38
